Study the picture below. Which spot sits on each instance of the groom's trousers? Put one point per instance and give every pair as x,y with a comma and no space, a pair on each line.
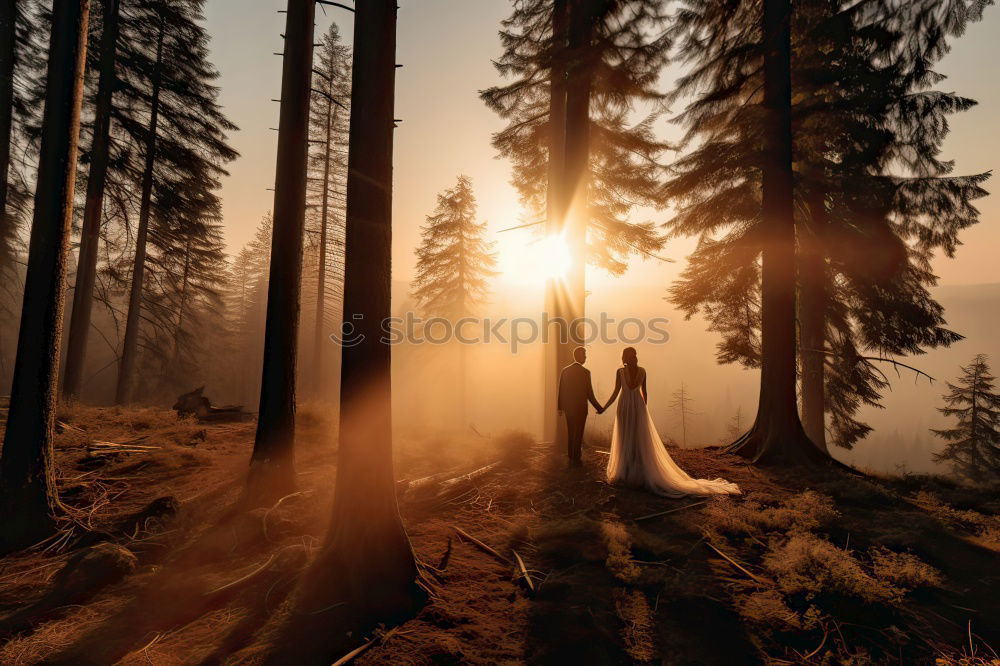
575,424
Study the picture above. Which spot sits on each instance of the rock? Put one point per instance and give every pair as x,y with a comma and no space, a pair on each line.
92,569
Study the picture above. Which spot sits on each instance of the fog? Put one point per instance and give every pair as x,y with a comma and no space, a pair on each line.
504,388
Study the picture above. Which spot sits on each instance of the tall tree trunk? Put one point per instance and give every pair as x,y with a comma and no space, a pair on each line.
29,506
130,345
583,17
319,339
812,320
86,268
182,306
272,466
777,435
366,560
554,291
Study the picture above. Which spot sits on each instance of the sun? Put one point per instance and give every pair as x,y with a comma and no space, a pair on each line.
553,257
534,261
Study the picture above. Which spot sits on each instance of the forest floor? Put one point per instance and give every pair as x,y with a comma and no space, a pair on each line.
805,567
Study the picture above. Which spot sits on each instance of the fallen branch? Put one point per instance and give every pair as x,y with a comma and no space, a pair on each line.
67,426
479,544
664,513
109,448
474,474
443,562
737,564
132,444
350,656
239,581
524,572
275,506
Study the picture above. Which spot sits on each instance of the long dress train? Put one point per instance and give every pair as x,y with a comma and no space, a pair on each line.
639,458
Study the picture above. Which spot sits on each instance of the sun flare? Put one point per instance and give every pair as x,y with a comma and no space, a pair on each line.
537,260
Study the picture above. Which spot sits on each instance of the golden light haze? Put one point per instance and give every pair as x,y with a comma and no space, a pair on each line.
446,47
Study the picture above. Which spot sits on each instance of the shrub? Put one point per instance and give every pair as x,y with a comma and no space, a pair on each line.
809,566
904,570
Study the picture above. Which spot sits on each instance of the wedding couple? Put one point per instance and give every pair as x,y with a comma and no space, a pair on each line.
638,457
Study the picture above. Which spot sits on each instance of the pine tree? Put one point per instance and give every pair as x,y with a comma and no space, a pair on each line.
864,237
580,70
454,261
324,269
454,264
682,403
366,572
86,269
246,306
10,15
972,447
168,107
183,301
622,58
29,506
877,199
272,471
21,68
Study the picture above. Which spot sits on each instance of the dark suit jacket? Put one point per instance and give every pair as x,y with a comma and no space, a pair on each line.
575,390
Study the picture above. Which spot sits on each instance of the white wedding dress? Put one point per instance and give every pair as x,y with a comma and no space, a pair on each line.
638,457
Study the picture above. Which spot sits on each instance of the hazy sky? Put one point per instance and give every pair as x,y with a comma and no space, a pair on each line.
445,47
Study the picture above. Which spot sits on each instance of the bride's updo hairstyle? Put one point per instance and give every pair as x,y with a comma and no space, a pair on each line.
629,357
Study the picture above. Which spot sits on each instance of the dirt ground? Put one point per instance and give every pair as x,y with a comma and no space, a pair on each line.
803,568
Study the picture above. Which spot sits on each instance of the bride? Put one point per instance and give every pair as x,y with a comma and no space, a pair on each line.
638,457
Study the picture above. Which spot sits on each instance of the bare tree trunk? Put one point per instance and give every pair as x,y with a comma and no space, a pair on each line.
812,321
319,339
29,506
86,268
130,344
8,58
583,16
182,306
366,560
777,435
553,352
272,466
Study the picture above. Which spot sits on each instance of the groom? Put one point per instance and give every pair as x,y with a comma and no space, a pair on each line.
575,390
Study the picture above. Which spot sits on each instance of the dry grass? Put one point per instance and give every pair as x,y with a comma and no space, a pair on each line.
838,568
758,514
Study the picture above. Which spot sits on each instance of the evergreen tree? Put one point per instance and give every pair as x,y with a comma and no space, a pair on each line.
21,68
272,471
169,108
365,572
183,299
580,71
865,230
29,505
86,268
681,402
323,271
454,261
624,55
246,306
972,447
